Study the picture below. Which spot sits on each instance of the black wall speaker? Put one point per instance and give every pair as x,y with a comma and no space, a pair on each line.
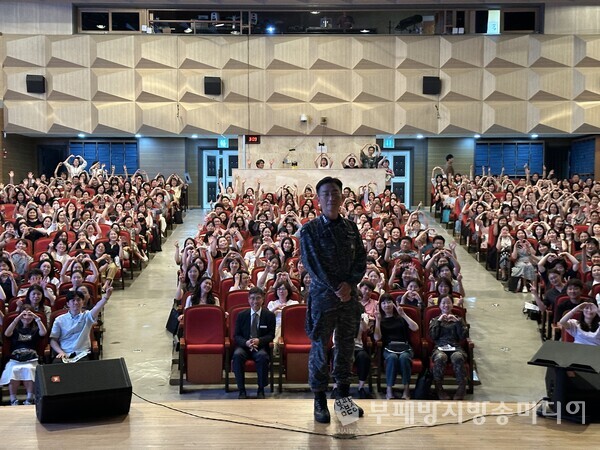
36,84
84,390
432,85
212,85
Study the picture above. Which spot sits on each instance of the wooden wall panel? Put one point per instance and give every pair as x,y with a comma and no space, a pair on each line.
114,85
21,157
41,17
164,155
112,116
72,117
356,82
571,19
371,54
191,166
68,51
68,84
463,150
26,116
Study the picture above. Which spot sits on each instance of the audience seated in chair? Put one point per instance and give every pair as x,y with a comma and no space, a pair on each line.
447,332
70,335
254,333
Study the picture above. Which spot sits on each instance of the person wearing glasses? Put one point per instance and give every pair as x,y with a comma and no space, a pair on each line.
283,292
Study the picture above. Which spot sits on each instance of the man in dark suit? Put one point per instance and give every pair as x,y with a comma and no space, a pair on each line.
254,331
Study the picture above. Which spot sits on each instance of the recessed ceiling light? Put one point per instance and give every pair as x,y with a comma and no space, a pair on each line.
534,136
364,30
476,136
420,136
315,12
194,136
81,135
138,135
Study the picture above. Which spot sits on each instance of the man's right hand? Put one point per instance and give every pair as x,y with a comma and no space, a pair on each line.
344,292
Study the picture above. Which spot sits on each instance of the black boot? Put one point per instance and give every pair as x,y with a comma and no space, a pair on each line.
321,411
343,390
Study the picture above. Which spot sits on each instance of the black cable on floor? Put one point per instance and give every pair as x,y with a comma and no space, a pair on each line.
198,416
337,435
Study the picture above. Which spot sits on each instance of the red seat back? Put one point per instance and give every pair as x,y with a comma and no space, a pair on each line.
293,319
566,337
8,209
204,324
41,245
236,299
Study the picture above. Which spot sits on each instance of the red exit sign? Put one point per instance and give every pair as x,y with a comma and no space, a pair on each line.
252,139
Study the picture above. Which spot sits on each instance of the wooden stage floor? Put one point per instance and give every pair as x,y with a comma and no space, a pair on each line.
271,423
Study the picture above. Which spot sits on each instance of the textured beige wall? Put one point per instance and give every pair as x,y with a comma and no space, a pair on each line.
364,85
572,19
36,17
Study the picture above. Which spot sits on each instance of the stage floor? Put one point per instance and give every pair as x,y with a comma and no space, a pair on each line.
268,423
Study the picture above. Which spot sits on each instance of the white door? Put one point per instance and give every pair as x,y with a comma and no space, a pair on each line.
215,164
401,182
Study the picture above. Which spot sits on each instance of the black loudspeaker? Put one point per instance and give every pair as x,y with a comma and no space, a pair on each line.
212,85
432,85
36,84
572,380
82,391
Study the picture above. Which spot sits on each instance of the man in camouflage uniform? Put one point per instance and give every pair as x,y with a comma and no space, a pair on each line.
334,256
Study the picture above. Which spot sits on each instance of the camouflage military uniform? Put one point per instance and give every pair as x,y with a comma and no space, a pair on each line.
448,333
332,253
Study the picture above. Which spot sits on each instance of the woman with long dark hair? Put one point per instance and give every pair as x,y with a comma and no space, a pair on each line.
393,327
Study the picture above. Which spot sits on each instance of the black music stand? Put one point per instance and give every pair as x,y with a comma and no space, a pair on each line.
572,380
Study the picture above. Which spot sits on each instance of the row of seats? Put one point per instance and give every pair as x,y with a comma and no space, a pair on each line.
208,343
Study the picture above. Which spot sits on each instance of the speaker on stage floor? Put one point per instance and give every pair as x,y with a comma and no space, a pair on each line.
85,390
572,380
